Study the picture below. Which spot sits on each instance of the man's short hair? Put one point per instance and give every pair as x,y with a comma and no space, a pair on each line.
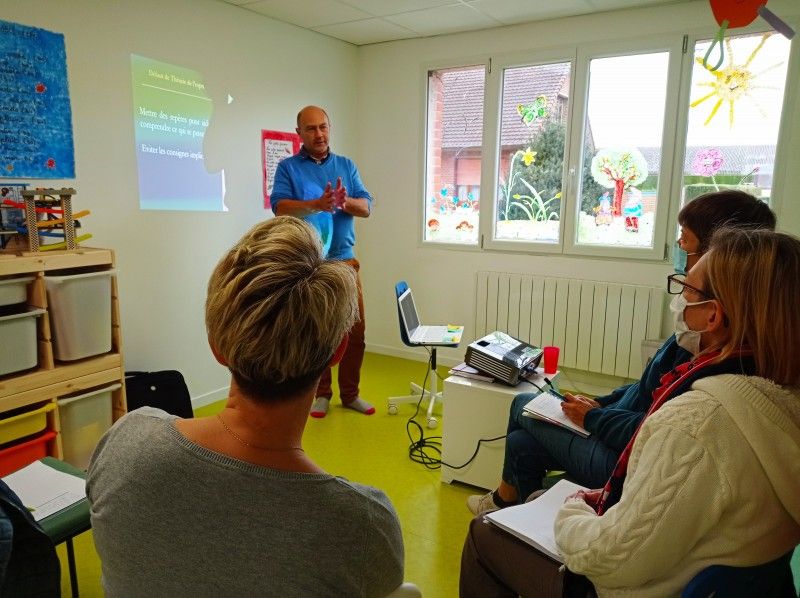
729,208
328,118
277,310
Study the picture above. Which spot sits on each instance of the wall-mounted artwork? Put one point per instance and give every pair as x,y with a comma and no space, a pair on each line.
275,146
35,114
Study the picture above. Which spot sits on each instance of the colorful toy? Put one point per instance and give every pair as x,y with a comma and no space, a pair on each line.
60,221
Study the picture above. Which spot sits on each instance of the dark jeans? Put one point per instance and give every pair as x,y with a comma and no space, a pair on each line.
350,366
534,447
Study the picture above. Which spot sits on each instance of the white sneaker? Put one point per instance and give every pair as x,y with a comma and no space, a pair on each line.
480,504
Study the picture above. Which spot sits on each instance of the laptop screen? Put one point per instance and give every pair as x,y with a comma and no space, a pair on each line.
409,311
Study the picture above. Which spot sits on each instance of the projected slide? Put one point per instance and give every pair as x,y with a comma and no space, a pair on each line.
170,115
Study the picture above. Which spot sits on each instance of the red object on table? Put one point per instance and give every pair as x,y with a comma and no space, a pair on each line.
550,359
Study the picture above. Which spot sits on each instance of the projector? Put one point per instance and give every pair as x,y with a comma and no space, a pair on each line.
503,357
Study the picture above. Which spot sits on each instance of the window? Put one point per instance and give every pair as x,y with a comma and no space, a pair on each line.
454,150
622,148
734,115
580,148
531,153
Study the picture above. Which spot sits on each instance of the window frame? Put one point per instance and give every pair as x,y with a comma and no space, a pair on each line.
490,169
463,63
680,45
781,161
664,201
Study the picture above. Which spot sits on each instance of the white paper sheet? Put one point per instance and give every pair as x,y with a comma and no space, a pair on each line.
532,522
44,490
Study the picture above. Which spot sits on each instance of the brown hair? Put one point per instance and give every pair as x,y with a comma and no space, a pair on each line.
755,275
276,310
733,208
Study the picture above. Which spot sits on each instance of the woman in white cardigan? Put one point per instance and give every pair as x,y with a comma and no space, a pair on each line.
711,476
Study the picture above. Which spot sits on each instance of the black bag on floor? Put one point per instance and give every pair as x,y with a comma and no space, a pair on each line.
165,390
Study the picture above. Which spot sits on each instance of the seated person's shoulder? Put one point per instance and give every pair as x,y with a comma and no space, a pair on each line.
367,497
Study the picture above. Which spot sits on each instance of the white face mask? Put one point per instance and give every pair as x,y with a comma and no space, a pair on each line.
685,337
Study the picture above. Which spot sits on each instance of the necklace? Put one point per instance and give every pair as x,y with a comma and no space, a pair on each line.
255,446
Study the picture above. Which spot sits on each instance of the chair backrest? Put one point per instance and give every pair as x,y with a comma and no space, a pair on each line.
400,288
165,390
770,580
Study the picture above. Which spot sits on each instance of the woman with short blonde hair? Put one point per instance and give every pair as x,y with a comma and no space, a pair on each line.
273,290
231,504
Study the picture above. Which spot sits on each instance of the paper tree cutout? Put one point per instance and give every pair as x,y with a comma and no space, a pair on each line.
733,82
619,169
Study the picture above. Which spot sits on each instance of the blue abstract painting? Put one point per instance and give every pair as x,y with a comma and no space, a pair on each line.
35,114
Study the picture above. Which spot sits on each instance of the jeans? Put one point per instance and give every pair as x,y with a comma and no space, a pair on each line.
534,447
350,366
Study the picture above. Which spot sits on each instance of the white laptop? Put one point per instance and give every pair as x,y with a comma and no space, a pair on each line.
425,335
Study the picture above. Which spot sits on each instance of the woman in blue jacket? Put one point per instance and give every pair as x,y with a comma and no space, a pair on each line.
534,447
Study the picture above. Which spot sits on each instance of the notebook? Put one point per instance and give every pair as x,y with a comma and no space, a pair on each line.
532,522
425,335
547,407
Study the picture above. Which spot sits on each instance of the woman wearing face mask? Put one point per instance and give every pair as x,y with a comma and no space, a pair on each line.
710,478
712,475
534,447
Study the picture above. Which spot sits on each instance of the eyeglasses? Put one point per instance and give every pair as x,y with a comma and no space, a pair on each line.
676,283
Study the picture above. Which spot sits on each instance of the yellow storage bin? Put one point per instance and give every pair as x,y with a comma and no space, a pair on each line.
24,424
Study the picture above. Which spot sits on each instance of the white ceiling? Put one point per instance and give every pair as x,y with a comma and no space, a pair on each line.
372,21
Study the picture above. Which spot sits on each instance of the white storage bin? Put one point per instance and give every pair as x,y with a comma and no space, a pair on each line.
80,314
84,420
18,350
14,290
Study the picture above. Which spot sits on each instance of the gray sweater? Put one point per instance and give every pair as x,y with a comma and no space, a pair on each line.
171,518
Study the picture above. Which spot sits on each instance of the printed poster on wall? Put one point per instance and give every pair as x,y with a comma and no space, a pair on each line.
35,113
275,146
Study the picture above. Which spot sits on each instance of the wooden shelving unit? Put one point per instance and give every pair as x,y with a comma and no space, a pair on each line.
54,379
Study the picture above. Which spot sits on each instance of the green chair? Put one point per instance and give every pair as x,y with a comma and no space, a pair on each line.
68,523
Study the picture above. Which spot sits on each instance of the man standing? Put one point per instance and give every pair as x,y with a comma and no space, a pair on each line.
326,190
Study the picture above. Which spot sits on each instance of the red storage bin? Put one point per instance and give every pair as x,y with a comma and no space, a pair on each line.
17,456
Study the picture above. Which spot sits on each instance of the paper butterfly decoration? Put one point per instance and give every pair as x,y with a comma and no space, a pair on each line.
535,110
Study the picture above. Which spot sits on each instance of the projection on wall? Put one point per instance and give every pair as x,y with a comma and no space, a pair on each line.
171,111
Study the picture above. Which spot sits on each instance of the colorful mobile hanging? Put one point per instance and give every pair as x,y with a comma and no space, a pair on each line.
731,14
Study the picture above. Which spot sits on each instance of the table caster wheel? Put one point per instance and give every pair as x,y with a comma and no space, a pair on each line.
392,409
432,422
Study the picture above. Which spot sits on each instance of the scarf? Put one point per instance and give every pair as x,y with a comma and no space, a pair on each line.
673,383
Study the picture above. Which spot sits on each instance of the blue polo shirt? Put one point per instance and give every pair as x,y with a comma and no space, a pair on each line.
304,178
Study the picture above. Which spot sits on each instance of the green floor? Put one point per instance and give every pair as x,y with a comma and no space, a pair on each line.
371,450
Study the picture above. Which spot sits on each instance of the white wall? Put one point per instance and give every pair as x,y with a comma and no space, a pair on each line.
375,98
390,155
164,258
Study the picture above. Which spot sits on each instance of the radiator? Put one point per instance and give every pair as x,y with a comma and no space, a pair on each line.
599,326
